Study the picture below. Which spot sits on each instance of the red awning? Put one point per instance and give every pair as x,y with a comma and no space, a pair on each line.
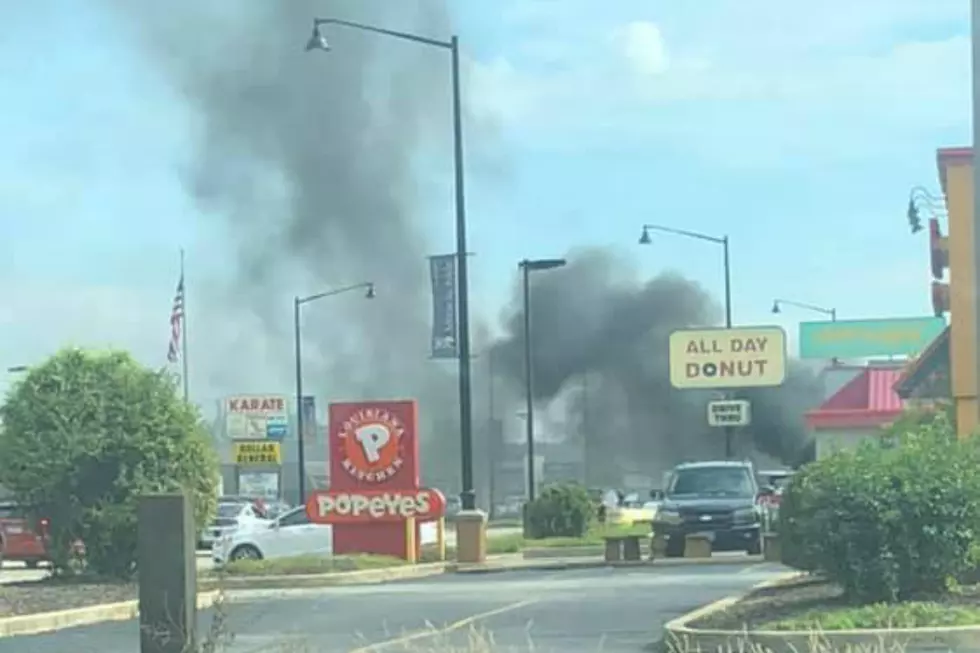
868,400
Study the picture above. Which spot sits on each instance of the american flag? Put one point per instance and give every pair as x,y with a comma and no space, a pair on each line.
176,320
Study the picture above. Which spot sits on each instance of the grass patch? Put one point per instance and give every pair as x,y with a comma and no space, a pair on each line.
912,614
514,522
310,564
502,544
595,537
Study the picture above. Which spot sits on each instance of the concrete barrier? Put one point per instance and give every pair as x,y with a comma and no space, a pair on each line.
697,546
772,550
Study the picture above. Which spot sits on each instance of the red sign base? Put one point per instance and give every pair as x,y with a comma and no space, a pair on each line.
381,538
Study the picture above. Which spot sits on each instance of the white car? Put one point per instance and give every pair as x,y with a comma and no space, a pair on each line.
232,516
291,534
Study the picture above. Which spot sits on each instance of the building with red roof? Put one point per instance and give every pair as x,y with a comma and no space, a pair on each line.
857,410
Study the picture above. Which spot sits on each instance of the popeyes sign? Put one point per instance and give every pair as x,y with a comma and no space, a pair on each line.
370,444
374,479
330,507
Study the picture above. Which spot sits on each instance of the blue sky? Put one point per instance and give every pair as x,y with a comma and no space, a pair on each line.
795,128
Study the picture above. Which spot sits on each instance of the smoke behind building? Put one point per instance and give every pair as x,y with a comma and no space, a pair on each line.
308,165
600,337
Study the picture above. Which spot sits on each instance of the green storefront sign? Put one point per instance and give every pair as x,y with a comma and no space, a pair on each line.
867,338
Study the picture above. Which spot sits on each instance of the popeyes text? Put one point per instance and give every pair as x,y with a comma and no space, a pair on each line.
328,507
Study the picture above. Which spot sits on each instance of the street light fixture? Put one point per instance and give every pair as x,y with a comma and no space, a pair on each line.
318,41
777,308
298,303
17,368
723,241
527,267
920,196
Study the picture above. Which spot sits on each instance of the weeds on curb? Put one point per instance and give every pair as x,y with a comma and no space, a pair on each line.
816,644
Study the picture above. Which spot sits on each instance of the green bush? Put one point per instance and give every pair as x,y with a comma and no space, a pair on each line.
84,435
893,519
561,510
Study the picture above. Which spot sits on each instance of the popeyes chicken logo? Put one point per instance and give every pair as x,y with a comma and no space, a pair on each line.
370,445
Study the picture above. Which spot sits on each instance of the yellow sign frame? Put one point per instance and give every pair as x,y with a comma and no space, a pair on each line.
715,358
255,453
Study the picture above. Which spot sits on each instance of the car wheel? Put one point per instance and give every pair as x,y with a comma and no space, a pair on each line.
245,552
31,564
674,550
755,547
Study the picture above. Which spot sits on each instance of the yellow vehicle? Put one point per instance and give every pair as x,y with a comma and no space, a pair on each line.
631,511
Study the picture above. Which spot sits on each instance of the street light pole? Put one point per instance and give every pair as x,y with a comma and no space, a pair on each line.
300,426
298,303
729,431
527,267
528,382
492,445
319,42
723,241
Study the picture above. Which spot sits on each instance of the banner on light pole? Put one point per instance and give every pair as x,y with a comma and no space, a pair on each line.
444,326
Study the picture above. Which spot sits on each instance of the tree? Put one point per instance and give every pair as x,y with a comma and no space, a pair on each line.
84,435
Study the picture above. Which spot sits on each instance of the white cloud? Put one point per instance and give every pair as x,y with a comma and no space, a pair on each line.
753,76
642,45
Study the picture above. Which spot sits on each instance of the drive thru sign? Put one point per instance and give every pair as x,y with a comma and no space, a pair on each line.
727,358
730,412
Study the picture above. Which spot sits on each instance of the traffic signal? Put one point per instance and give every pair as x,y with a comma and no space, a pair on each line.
938,250
940,298
915,221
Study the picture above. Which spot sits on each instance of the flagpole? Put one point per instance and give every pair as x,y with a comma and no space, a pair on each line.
183,344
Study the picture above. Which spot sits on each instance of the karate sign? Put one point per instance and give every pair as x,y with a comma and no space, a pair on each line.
727,358
370,445
330,507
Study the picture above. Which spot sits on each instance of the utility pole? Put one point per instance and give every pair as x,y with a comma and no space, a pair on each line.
586,430
492,437
975,310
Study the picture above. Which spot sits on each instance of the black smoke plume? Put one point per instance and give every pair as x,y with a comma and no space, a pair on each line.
308,163
601,334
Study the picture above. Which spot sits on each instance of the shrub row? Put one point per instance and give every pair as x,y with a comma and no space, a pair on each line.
561,510
896,518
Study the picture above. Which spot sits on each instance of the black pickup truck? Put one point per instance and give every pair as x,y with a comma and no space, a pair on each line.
719,499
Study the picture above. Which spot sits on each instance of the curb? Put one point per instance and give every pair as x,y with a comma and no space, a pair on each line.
679,637
33,624
544,564
537,553
359,577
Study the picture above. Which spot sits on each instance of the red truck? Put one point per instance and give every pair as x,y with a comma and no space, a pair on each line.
19,539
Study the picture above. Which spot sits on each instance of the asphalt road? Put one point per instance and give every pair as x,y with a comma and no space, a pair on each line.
607,609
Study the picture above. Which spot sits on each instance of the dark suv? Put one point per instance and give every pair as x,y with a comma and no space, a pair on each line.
716,498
